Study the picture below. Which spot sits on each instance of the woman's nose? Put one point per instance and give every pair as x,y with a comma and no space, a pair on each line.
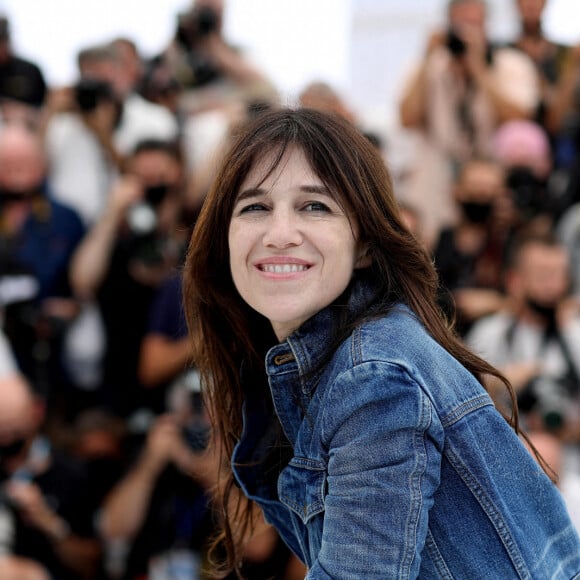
283,230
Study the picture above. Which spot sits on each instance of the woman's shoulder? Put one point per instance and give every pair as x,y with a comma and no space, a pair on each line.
396,333
396,351
399,338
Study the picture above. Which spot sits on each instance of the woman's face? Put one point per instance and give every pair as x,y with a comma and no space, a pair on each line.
292,247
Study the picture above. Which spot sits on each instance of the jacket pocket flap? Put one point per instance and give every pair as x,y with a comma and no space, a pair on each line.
302,486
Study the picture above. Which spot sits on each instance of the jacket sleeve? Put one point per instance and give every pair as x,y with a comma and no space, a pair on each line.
384,444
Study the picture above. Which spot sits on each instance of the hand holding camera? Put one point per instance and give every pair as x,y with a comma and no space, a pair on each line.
28,499
126,192
101,113
170,441
162,443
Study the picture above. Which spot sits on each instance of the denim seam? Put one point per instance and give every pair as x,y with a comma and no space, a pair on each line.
299,357
356,346
493,514
466,408
437,557
298,535
415,479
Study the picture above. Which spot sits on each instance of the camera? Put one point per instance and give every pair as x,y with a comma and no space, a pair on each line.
196,432
455,44
142,216
142,221
192,28
548,396
206,20
195,24
529,192
88,93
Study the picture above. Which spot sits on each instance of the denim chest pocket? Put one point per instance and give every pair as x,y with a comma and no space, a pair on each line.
302,487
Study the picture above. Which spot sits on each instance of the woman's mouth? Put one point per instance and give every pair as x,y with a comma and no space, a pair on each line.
283,268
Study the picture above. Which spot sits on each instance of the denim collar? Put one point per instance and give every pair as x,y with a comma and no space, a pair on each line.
307,347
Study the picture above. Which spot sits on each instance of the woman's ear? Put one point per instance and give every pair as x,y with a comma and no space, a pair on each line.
363,259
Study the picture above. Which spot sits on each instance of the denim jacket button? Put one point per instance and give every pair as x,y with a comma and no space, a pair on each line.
282,359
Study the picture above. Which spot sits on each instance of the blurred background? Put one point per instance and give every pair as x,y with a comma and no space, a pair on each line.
361,47
114,117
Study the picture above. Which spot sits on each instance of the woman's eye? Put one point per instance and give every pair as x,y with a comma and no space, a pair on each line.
253,207
316,206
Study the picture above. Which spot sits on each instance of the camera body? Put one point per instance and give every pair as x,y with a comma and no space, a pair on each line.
196,431
548,396
142,217
88,93
455,44
530,195
196,434
206,20
195,24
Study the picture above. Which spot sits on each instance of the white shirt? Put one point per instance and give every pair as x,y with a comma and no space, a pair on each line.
489,338
80,172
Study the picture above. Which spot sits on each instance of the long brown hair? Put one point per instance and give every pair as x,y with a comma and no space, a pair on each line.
227,333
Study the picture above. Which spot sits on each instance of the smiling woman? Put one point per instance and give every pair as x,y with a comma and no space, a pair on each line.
293,249
350,412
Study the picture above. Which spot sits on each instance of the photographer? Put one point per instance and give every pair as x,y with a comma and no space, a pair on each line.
161,507
211,71
45,511
460,92
22,83
469,255
92,127
128,253
536,342
37,239
522,147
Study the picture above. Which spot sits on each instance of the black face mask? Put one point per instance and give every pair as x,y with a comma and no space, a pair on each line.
157,193
12,196
8,452
12,449
476,213
546,311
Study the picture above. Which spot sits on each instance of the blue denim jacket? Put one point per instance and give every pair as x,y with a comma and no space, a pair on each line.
401,465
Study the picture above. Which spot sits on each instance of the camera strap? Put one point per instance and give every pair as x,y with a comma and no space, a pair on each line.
552,333
572,374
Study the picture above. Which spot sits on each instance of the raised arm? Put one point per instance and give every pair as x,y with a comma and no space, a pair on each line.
91,260
413,105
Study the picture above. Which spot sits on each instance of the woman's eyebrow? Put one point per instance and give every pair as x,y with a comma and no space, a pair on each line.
249,193
321,189
252,192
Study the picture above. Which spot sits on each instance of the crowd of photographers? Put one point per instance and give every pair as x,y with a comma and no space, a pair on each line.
105,468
